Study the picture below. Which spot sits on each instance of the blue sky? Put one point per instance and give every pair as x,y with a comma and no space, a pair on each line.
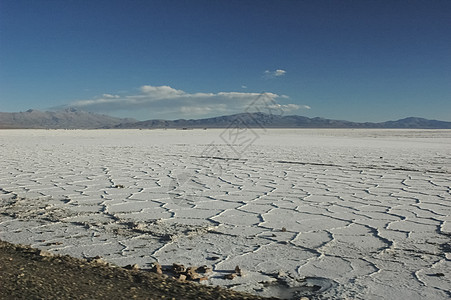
353,60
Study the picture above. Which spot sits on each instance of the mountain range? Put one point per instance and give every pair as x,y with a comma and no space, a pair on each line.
72,118
69,118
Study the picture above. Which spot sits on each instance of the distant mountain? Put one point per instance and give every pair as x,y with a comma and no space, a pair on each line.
417,123
70,118
255,120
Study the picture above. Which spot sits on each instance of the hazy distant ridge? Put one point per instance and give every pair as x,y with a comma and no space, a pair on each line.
69,118
72,118
256,120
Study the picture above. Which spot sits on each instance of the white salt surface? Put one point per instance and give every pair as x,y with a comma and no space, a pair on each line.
359,214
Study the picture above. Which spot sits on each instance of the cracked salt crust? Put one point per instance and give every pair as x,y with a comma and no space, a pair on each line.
365,214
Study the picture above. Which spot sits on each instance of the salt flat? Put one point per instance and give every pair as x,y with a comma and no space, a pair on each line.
360,214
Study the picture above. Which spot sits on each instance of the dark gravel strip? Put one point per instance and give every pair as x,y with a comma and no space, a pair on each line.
28,273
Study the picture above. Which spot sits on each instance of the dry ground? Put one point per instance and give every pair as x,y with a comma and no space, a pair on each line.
27,273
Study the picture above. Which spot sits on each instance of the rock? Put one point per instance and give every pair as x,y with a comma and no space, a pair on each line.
139,227
99,261
44,253
203,278
281,274
181,277
213,258
193,276
191,273
156,268
238,271
205,269
132,267
230,276
178,268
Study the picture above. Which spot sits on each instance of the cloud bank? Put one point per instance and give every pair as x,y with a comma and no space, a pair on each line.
165,101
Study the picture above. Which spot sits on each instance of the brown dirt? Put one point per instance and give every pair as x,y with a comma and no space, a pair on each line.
28,273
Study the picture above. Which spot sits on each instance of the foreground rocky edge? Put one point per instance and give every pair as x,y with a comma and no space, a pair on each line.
28,273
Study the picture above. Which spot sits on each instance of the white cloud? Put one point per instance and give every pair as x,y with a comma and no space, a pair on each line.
161,92
279,72
288,107
109,96
167,102
272,74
